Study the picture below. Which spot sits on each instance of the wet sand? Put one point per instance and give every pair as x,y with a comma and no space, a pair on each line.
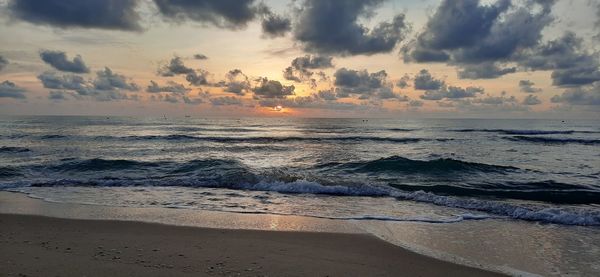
45,246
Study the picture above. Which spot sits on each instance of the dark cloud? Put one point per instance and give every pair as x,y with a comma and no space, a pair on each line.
570,62
170,87
174,67
108,80
581,96
192,101
170,98
386,93
597,23
59,61
9,89
328,95
424,81
200,57
528,86
488,104
403,82
231,14
312,102
106,86
272,89
416,103
484,70
531,100
226,101
276,25
101,14
451,92
496,100
237,82
332,27
57,95
478,37
308,62
177,67
301,69
3,63
52,80
362,83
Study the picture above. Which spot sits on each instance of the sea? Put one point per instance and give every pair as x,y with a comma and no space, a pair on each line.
461,187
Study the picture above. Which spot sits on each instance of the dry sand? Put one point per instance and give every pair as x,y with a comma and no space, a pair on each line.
44,246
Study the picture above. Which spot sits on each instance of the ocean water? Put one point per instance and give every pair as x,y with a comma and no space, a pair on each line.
430,171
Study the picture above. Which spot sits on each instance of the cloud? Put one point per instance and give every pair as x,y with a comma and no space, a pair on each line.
56,95
170,87
226,101
9,89
580,96
52,80
597,23
312,102
484,70
274,25
424,81
193,101
272,89
230,14
415,103
496,100
328,95
570,62
403,82
100,14
353,82
200,57
237,82
301,69
332,27
177,67
3,63
106,86
531,100
174,67
488,104
107,80
452,92
386,93
477,38
59,61
528,86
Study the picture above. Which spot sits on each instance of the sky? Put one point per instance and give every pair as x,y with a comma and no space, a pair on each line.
301,58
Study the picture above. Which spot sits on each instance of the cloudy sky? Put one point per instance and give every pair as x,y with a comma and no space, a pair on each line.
396,58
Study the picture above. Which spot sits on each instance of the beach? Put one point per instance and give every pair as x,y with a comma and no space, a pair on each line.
480,193
45,246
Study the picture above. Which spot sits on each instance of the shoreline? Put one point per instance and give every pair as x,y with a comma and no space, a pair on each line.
35,245
30,225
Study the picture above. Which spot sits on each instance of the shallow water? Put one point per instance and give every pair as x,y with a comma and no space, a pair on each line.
430,172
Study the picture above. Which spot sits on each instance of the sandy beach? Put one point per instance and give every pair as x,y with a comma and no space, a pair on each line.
44,246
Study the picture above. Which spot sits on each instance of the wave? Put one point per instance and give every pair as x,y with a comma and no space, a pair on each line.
544,191
279,139
98,164
405,165
49,137
525,132
11,149
539,213
547,140
6,172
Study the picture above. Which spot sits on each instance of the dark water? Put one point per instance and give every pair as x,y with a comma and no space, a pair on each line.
536,170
